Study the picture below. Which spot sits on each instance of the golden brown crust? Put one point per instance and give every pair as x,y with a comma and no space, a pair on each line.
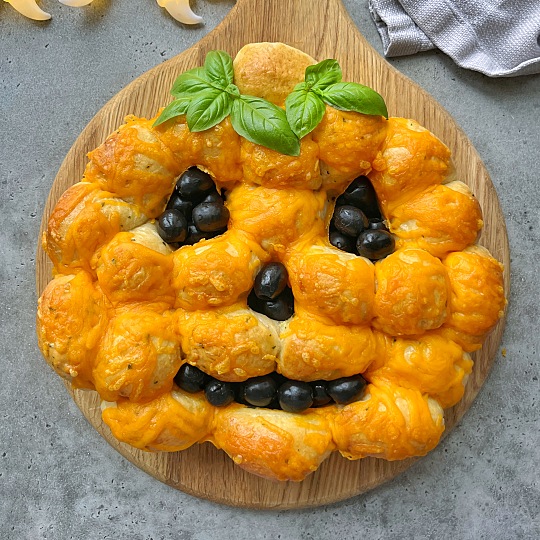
410,160
441,219
270,70
274,170
314,349
126,311
273,444
348,144
412,293
231,344
73,314
391,422
332,283
215,272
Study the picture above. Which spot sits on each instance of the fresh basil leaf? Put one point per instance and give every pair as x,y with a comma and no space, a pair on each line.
323,74
348,96
232,90
264,123
219,67
304,110
172,110
208,109
191,82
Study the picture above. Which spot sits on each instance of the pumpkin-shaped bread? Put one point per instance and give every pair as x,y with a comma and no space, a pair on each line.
210,288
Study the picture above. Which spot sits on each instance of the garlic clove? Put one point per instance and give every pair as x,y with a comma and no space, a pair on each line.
180,10
29,9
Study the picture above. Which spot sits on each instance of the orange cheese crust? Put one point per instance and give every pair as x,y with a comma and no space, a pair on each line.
125,311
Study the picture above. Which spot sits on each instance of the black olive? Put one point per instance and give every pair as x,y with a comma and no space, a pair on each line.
194,184
213,197
350,220
259,391
239,393
219,393
342,241
172,226
295,396
320,394
375,244
347,389
377,224
190,378
361,194
278,377
194,235
177,203
210,217
280,308
270,281
254,302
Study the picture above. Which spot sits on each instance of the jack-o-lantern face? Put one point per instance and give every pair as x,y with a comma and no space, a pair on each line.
278,306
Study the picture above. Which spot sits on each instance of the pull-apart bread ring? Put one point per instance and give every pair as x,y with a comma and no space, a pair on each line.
126,310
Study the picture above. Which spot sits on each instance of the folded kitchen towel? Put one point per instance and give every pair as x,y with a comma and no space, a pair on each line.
500,38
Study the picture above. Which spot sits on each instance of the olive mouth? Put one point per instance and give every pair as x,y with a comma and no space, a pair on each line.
272,391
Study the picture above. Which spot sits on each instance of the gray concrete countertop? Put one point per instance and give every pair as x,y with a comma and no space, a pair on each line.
60,480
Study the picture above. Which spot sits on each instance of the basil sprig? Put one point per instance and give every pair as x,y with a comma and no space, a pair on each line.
206,95
305,106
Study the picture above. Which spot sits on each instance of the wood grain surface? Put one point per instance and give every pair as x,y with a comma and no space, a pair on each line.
323,29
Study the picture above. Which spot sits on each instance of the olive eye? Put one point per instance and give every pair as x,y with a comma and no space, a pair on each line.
195,210
357,225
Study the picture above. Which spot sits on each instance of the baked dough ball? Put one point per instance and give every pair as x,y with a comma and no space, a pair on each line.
136,266
348,144
441,219
139,356
275,444
314,349
169,423
232,344
84,219
270,70
277,218
129,315
412,293
430,363
215,150
215,272
271,169
332,283
390,422
477,298
72,316
411,160
136,165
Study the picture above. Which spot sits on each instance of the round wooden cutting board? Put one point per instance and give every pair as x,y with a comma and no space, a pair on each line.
323,29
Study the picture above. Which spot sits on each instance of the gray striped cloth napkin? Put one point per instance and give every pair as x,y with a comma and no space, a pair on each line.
500,38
